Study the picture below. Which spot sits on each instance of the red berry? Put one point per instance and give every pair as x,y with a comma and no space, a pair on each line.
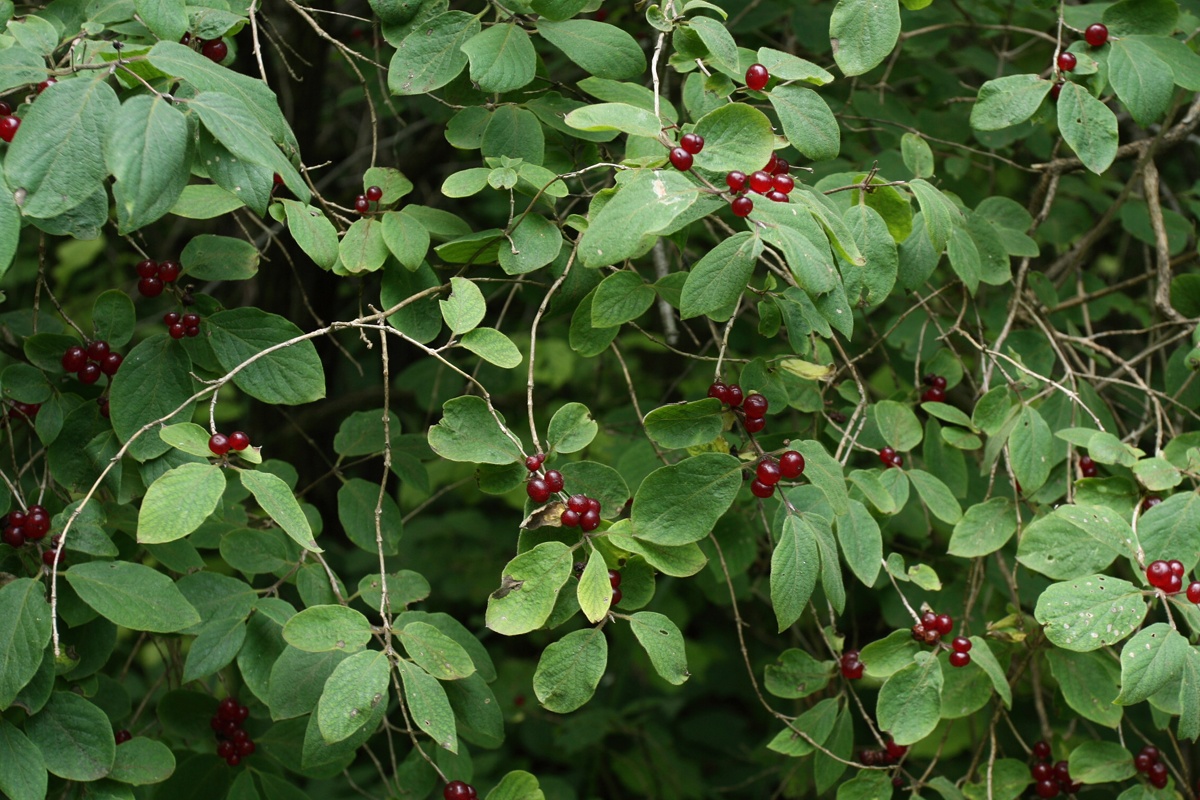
233,760
781,167
1087,467
933,395
239,440
1174,585
589,520
245,748
1193,592
191,331
734,395
89,374
895,751
111,363
1041,772
768,472
538,491
1047,788
226,749
886,455
1062,770
938,382
190,320
49,557
457,790
147,268
186,38
1150,502
736,181
16,518
374,194
97,350
760,182
754,424
1151,751
5,109
243,712
569,518
176,331
1176,567
8,127
918,632
1041,750
554,480
1056,90
578,503
74,359
777,197
277,179
1067,61
741,206
791,464
783,184
681,159
37,524
755,406
150,287
168,271
760,489
44,85
614,578
616,597
1158,573
13,536
215,50
593,505
929,620
944,624
218,443
757,77
1096,34
361,204
961,644
122,736
534,463
852,670
1143,762
692,142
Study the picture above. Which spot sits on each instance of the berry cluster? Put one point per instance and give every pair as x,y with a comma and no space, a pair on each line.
234,744
9,122
790,465
1087,467
49,555
690,144
212,49
153,276
891,754
852,668
933,627
936,393
1147,763
220,444
30,525
122,736
29,411
1168,576
753,406
180,325
88,364
1050,779
890,457
457,790
362,203
772,181
614,580
581,510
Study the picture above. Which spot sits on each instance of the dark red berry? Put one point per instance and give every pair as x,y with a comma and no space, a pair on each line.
1193,592
89,374
97,350
185,39
1047,788
13,537
681,159
147,268
781,167
1143,762
457,790
886,455
616,596
226,749
1174,585
538,491
1096,34
776,197
1158,573
958,659
1067,61
168,271
760,182
594,504
239,440
150,287
111,363
191,331
554,480
227,709
277,179
374,194
569,518
852,670
243,712
757,77
734,395
933,395
215,50
233,760
1062,770
755,406
944,624
171,317
783,183
768,472
1041,750
589,520
578,503
218,443
5,109
1056,90
1151,751
961,644
16,518
741,206
791,464
938,382
736,181
1176,567
1041,771
122,736
245,748
692,142
190,319
895,751
37,524
361,204
8,127
1150,502
74,359
918,632
176,331
760,489
46,84
754,424
534,463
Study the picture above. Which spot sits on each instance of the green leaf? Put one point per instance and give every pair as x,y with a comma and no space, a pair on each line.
518,784
405,237
179,502
231,122
320,629
1166,530
1141,79
75,736
1007,780
862,542
536,242
918,157
141,761
885,657
863,33
431,55
898,424
787,67
939,213
1189,696
276,498
1088,126
149,154
984,529
435,652
1149,661
796,674
830,218
1151,17
24,775
214,648
1184,62
469,432
1075,540
1090,612
570,670
807,122
132,596
663,642
1089,682
166,19
271,365
866,786
716,282
464,308
602,50
678,562
528,589
428,705
1101,762
794,568
315,234
558,10
594,590
910,701
736,136
645,204
982,655
831,567
824,472
205,201
936,495
1030,450
621,297
816,723
571,429
681,503
686,424
357,686
502,58
24,634
58,156
1008,101
1157,474
721,46
615,117
362,248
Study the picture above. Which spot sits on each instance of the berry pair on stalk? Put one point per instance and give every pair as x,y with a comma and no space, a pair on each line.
890,458
233,743
1167,576
362,203
220,444
769,471
936,393
30,525
1147,763
153,276
852,668
690,144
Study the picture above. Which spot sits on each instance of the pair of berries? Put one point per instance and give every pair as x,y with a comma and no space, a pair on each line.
614,580
1168,576
690,144
581,511
362,203
1096,35
8,122
29,411
728,394
891,753
539,488
30,525
1147,763
220,444
769,471
234,743
180,325
852,668
936,393
890,458
52,554
457,790
1087,467
212,49
89,364
154,276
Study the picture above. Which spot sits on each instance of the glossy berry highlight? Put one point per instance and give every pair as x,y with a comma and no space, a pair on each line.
757,77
